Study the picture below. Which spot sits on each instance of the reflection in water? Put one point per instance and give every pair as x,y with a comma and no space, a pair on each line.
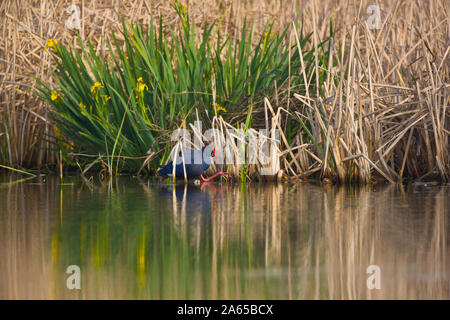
138,240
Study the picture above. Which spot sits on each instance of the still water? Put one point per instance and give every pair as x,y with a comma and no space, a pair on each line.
133,239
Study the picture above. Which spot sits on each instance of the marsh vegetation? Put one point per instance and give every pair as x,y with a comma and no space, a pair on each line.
353,103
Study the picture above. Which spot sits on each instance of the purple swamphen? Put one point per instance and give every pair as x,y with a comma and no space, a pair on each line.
195,162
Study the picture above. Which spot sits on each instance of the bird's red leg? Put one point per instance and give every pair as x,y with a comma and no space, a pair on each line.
220,173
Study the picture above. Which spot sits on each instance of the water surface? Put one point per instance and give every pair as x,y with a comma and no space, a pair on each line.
136,240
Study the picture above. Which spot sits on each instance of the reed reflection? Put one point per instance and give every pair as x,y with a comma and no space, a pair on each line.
139,240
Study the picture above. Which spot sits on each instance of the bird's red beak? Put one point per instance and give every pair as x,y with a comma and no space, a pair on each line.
213,153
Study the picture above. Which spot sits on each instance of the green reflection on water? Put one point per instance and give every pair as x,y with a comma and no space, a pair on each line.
135,240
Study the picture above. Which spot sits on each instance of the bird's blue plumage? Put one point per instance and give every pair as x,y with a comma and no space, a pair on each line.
195,162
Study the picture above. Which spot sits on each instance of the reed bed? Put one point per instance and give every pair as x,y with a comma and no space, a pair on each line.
352,104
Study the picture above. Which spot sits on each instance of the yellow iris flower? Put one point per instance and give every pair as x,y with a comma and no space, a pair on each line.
50,44
55,96
96,87
141,86
218,108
